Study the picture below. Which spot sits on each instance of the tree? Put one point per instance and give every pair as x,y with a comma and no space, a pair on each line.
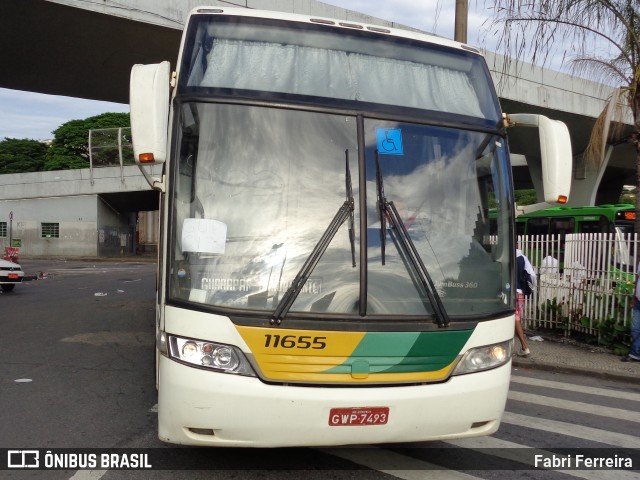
525,197
70,147
19,156
535,28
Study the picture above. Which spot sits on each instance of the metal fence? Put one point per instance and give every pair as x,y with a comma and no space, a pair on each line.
585,282
110,147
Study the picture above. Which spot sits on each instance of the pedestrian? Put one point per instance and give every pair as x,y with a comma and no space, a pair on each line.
634,351
525,282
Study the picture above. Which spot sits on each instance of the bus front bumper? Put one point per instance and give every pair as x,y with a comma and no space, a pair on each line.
198,407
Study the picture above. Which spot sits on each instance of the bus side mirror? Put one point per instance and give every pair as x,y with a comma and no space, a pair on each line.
149,105
555,154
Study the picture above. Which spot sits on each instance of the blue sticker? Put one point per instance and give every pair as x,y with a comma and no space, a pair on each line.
389,141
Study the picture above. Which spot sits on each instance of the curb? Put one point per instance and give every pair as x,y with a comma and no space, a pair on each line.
574,370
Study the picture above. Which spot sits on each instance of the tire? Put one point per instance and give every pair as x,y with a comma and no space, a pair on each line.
7,287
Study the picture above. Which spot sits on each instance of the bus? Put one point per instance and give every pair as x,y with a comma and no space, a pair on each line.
616,218
557,222
326,273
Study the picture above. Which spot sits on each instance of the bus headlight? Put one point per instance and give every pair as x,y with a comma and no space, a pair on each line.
484,358
210,355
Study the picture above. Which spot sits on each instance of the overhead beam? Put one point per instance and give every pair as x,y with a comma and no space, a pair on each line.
50,48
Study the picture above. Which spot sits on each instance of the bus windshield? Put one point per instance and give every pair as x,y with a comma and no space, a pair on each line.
247,215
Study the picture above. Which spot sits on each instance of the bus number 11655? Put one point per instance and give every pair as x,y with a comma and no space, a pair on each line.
294,341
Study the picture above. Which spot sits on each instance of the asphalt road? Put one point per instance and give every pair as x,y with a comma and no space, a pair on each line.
77,353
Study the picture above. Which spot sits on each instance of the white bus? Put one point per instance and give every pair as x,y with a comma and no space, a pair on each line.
326,275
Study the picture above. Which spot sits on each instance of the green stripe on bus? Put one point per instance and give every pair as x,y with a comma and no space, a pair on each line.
405,352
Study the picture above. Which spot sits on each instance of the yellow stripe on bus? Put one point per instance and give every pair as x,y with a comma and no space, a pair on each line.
309,356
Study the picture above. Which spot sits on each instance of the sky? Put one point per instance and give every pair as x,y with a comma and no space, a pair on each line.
36,116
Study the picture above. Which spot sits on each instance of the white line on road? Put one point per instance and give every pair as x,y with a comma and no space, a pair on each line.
603,392
88,474
617,413
571,430
391,463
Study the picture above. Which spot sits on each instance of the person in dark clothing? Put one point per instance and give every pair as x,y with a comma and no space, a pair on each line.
523,289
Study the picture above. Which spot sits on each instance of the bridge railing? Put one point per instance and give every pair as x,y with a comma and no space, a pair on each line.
109,147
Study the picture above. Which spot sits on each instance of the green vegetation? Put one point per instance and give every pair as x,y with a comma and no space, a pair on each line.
608,332
525,197
522,197
20,156
628,196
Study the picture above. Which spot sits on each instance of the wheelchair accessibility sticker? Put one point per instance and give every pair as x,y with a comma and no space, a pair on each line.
389,141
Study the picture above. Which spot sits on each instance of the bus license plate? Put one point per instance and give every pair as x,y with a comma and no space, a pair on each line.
358,416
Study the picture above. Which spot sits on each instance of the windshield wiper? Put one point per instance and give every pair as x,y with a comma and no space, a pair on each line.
387,208
349,190
344,212
381,209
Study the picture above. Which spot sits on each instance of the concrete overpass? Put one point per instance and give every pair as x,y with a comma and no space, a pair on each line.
85,49
124,189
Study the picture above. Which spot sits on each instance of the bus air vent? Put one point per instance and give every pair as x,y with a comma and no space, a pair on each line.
379,30
351,25
323,21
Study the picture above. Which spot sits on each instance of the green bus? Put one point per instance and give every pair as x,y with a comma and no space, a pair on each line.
563,220
613,218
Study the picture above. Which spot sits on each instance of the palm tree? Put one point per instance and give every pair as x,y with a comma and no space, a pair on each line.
539,28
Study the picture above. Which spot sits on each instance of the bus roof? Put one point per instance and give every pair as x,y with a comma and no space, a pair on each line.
345,24
578,211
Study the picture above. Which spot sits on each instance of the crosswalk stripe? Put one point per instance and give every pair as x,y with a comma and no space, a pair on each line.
395,464
617,413
571,430
88,475
603,392
512,451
